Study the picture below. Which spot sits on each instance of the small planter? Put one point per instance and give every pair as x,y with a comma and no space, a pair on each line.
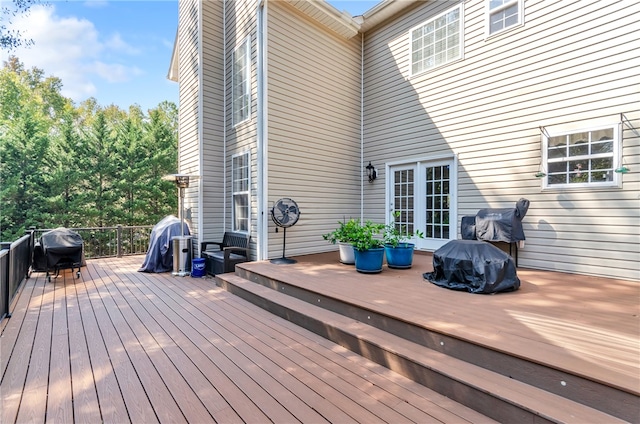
369,261
400,256
347,256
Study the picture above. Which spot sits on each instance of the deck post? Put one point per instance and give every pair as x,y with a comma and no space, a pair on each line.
119,241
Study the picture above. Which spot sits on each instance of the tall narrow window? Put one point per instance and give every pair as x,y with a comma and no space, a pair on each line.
240,181
241,87
585,158
503,14
437,42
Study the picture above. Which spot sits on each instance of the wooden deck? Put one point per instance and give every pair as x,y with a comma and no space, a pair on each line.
120,346
588,325
573,336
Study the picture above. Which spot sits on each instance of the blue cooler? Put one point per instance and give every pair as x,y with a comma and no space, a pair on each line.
197,268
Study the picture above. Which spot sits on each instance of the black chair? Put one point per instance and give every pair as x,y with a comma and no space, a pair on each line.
232,250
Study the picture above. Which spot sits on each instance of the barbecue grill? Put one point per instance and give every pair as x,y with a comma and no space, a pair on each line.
59,249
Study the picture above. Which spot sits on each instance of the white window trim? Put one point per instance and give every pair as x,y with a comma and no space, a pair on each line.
247,192
488,13
247,81
461,57
616,182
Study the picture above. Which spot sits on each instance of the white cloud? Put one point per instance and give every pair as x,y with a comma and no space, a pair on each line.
73,50
116,43
113,72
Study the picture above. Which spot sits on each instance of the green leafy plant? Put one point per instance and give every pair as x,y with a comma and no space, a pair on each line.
395,234
368,236
345,233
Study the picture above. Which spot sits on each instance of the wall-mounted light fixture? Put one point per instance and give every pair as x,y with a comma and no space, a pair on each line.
371,172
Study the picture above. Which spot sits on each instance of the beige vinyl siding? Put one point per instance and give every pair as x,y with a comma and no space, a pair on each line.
188,69
241,23
213,121
573,64
313,127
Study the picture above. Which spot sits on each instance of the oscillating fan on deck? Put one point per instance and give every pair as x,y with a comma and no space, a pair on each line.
285,213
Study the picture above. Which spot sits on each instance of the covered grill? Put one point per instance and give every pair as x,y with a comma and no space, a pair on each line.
493,225
59,249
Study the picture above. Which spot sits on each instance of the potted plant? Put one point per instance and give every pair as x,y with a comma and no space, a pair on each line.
368,246
343,236
398,249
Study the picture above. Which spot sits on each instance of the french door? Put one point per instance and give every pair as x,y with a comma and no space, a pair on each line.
422,197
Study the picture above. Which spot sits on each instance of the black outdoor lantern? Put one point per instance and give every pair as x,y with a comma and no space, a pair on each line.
371,172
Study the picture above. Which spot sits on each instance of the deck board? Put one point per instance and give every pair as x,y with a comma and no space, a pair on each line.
119,346
125,346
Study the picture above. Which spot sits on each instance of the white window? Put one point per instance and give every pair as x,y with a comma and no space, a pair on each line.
584,158
503,14
241,86
240,192
437,42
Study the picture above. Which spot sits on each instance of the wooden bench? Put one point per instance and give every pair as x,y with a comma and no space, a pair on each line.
232,250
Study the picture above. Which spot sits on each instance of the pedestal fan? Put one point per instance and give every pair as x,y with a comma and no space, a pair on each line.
285,213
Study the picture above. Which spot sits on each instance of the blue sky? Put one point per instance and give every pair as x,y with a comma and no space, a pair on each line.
115,51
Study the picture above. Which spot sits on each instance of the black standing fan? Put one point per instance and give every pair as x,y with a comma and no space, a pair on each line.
285,213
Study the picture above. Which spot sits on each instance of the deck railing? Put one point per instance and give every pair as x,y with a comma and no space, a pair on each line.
15,262
98,242
118,241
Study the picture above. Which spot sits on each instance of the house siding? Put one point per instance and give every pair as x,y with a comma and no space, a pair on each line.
213,149
572,65
313,82
240,24
188,117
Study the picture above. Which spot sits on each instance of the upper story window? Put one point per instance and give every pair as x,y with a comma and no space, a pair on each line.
241,83
585,158
503,14
240,192
437,41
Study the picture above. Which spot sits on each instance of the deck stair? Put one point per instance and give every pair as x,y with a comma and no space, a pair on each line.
504,387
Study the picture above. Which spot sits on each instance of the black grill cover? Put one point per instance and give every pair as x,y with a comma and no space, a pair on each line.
501,224
475,266
60,247
160,253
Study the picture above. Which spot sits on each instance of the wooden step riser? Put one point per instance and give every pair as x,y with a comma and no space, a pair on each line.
483,402
599,396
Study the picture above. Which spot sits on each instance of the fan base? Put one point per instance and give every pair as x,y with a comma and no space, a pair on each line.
283,261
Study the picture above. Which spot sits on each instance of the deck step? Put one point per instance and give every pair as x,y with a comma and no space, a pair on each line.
492,394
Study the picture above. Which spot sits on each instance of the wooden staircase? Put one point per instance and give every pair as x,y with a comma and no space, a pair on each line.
500,385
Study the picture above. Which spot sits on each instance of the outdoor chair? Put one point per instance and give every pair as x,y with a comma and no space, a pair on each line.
232,250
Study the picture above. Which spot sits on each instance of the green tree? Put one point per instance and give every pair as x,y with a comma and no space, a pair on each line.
98,167
161,144
79,166
23,148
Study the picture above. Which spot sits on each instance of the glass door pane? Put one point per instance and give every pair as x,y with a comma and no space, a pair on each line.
437,202
403,200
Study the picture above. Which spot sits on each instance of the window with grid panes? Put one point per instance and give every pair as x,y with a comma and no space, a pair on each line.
582,159
240,192
437,42
240,86
503,14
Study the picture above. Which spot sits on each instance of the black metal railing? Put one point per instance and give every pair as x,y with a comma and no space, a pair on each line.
15,264
118,241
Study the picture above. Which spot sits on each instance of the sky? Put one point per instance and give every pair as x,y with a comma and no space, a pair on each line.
115,51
